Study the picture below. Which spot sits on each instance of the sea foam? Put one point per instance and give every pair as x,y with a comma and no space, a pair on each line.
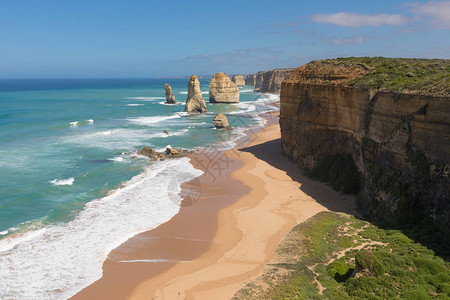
78,249
153,120
68,181
76,123
146,98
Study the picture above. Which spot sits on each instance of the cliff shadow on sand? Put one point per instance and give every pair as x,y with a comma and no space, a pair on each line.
271,153
388,115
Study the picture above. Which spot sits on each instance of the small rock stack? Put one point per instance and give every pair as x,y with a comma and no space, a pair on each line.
221,122
170,97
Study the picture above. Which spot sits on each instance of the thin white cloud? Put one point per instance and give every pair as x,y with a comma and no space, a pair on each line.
347,19
437,11
347,41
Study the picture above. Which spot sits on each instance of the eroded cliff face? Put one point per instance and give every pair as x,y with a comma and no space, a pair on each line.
250,79
222,89
238,79
270,81
400,142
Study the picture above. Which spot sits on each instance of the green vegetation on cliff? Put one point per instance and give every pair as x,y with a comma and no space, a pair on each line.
340,171
402,75
336,256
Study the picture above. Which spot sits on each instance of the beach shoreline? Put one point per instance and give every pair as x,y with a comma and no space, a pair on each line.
229,226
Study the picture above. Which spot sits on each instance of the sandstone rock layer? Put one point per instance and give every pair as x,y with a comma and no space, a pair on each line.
221,122
250,79
400,142
170,97
238,79
222,89
195,101
270,81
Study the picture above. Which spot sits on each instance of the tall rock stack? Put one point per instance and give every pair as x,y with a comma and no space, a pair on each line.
222,89
170,97
238,79
195,101
250,79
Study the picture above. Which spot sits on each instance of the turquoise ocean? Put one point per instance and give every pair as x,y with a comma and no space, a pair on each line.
72,186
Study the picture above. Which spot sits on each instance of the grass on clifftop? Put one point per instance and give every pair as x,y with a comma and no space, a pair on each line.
336,256
403,75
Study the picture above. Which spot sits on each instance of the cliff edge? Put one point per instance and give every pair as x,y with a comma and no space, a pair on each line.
392,116
270,81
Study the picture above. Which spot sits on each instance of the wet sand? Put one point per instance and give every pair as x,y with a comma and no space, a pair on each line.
229,226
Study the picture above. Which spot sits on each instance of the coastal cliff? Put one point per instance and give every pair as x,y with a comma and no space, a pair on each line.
250,79
238,79
391,116
270,81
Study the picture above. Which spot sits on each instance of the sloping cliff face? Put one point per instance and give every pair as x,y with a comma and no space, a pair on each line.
250,79
270,81
400,142
238,79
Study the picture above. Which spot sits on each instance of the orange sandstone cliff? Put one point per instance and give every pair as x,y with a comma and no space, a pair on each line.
396,129
270,81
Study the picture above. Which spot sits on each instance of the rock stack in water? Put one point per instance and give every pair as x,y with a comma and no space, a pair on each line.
170,97
221,121
238,79
222,89
195,101
250,79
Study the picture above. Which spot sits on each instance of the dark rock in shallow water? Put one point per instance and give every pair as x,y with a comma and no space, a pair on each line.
175,152
149,152
168,153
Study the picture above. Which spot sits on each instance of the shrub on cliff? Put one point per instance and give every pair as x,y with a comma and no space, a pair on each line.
406,75
340,171
388,265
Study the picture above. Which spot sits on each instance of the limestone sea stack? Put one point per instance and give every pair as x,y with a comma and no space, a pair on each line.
170,97
195,101
250,79
238,79
222,89
221,121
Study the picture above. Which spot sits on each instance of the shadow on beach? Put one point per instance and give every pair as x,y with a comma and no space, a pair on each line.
271,153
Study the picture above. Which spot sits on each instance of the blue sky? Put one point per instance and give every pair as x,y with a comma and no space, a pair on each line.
136,38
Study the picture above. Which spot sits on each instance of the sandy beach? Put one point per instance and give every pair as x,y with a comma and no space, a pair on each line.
230,224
